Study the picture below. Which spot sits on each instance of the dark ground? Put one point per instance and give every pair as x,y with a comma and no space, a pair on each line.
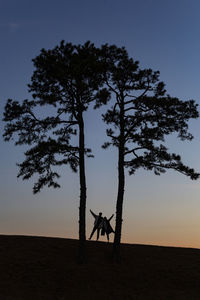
45,268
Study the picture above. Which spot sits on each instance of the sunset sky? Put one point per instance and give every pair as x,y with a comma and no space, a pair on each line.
162,35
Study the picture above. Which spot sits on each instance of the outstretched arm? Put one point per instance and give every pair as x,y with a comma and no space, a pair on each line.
93,213
110,218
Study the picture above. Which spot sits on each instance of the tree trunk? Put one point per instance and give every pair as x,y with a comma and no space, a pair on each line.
120,195
119,209
82,208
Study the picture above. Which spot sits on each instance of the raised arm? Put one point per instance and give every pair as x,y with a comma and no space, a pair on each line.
93,214
110,218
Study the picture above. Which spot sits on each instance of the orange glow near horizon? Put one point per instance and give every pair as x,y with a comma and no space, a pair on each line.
177,239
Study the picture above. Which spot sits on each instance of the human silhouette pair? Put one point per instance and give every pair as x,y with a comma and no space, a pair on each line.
101,224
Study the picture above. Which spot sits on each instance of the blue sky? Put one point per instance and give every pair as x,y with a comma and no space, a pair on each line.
162,35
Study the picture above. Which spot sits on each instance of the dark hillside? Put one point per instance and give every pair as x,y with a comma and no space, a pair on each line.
35,268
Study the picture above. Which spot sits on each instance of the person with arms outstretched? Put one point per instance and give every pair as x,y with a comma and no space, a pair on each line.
106,227
97,222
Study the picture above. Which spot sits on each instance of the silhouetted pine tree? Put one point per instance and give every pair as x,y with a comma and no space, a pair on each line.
141,117
66,79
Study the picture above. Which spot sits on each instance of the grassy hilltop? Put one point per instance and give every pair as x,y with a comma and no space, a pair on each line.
45,268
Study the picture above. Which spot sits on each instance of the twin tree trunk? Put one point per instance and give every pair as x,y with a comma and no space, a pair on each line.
82,208
120,195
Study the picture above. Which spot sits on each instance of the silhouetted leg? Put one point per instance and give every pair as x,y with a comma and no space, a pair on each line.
107,237
93,231
98,230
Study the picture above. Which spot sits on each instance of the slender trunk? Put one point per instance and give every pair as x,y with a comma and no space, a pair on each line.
120,195
82,208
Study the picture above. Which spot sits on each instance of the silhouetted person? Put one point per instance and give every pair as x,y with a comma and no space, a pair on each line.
106,227
97,222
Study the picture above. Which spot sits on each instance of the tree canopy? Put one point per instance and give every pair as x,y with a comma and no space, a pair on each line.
67,79
140,119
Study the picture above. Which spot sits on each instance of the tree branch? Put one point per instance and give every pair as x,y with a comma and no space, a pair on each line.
56,120
133,151
111,88
136,97
127,109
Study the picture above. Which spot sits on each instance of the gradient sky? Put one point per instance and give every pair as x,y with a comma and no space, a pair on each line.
162,35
